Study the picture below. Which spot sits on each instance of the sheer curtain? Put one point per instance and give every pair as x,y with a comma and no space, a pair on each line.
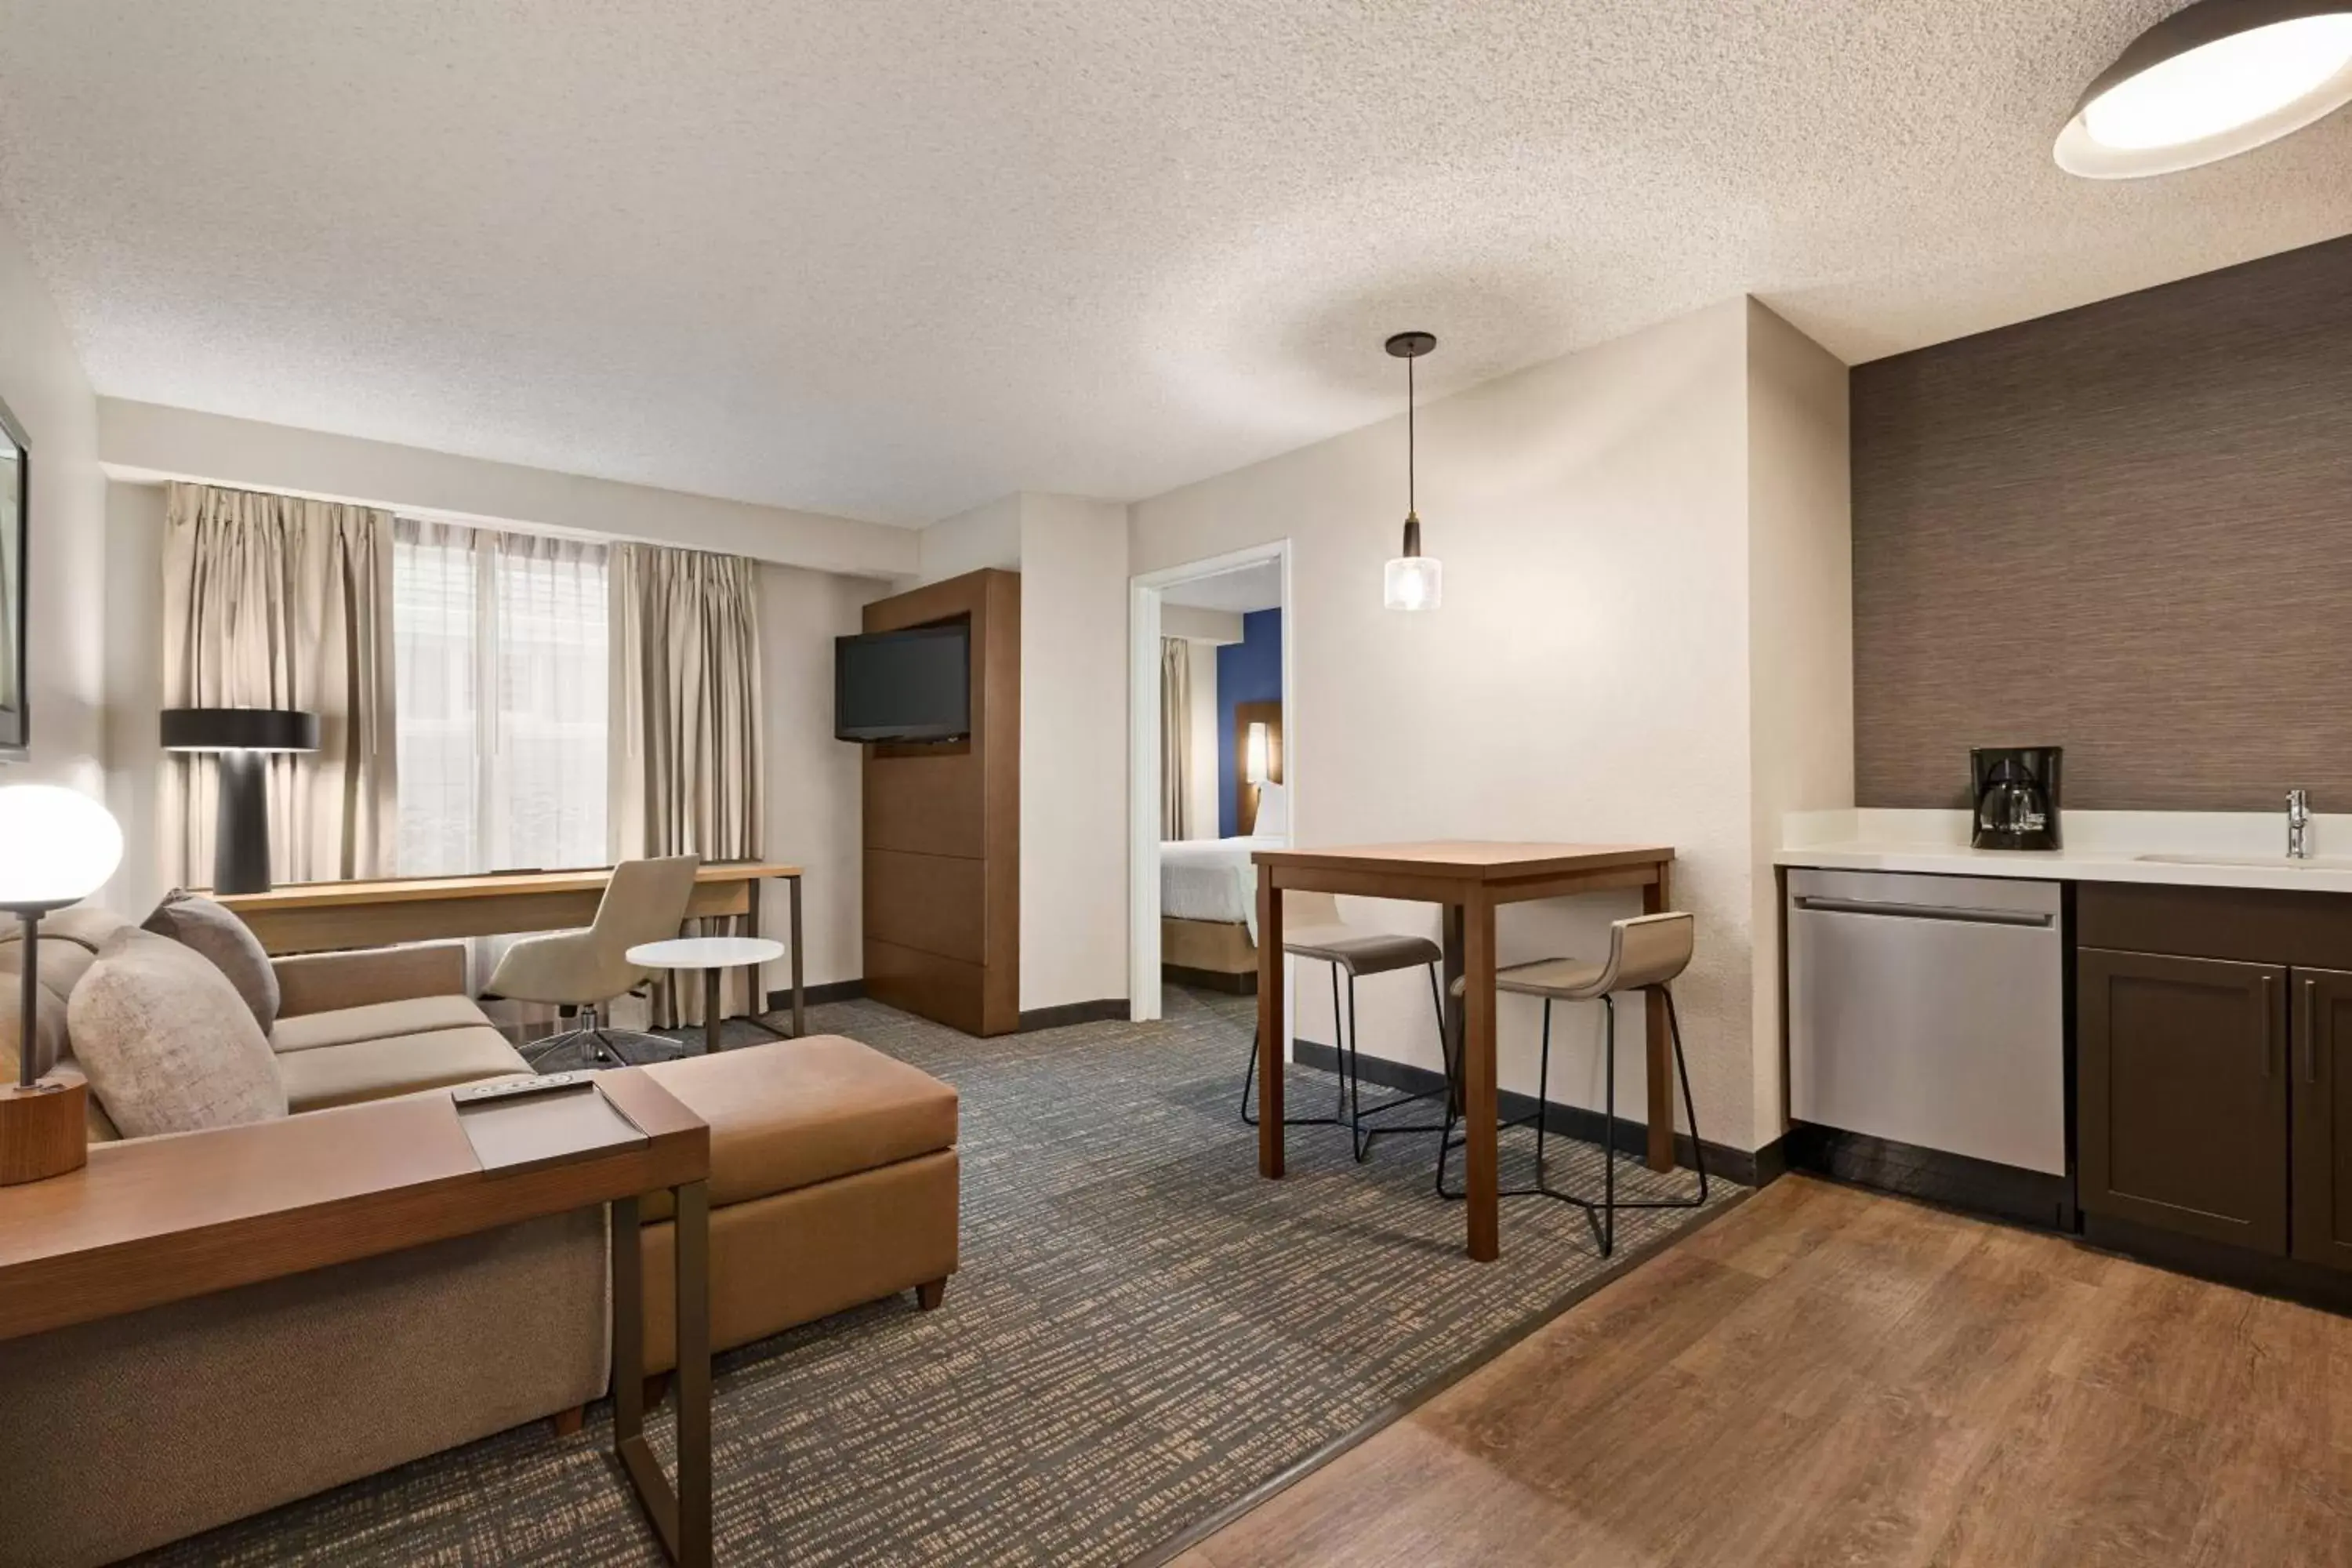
503,663
1175,738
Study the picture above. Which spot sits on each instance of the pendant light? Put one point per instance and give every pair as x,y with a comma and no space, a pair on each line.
2219,78
1413,581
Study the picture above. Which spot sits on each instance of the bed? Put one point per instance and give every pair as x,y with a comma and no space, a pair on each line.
1208,906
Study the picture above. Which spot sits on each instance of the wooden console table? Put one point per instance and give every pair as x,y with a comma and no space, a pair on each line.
163,1219
321,917
1469,878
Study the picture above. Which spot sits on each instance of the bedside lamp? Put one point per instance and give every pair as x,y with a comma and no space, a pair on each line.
242,736
57,847
1253,756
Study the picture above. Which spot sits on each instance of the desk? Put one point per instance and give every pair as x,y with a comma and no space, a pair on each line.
1469,878
164,1219
320,916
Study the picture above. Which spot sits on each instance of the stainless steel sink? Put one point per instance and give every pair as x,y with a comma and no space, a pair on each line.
2263,862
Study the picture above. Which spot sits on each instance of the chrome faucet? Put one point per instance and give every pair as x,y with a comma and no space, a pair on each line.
2299,825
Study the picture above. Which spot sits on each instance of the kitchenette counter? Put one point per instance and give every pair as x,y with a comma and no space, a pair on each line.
2200,849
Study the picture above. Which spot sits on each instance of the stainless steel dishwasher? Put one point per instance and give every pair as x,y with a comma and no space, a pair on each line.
1930,1011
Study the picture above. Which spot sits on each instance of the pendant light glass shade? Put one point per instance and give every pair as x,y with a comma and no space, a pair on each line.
1412,581
2219,78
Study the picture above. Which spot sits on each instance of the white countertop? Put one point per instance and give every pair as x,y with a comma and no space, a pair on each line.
2100,846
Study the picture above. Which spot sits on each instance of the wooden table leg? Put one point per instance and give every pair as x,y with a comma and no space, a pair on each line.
1656,898
800,1004
1478,1155
711,1022
1272,1029
755,1001
692,1228
681,1516
1450,941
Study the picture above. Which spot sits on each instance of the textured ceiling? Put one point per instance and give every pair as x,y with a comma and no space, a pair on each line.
897,258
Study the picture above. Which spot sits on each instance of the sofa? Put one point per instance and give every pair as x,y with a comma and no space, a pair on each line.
833,1181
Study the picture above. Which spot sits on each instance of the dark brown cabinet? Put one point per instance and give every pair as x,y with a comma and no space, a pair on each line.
2323,1117
2183,1097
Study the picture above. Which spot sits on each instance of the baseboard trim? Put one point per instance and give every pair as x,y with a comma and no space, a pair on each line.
1106,1010
1955,1181
1630,1136
817,995
2263,1273
1241,984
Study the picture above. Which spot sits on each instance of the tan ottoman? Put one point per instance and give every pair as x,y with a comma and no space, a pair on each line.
832,1183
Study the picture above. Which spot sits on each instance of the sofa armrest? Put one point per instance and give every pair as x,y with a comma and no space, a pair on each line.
322,981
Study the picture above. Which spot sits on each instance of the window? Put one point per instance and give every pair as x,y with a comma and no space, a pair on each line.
500,674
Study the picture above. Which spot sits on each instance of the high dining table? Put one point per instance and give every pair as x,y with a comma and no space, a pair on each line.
1469,878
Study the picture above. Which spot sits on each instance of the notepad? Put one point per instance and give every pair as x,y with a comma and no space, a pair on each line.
549,1129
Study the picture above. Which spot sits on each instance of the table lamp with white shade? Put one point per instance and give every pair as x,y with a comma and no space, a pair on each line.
57,847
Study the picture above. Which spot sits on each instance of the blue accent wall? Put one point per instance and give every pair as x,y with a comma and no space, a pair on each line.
1249,671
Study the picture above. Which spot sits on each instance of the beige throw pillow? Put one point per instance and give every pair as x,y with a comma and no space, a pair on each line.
167,1043
212,930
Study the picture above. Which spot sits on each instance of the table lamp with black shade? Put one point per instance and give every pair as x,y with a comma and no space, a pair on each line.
57,847
244,738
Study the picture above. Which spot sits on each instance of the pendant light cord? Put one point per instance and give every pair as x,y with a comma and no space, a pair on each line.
1411,509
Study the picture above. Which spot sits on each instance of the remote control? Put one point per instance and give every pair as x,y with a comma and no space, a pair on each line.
522,1088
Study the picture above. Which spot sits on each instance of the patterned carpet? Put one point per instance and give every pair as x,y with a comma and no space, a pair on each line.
1143,1333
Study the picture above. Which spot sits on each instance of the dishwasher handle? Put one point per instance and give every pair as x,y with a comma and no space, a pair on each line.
2031,919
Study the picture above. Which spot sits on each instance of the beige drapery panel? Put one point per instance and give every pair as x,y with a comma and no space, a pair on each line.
687,723
1175,738
275,602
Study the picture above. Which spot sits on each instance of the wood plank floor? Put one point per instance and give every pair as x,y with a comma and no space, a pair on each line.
1826,1377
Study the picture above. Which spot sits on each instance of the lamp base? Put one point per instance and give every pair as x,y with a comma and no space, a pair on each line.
241,830
44,1131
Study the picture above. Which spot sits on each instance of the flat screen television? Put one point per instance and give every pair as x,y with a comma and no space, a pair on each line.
914,685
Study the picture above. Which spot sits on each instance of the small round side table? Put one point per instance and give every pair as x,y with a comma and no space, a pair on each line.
714,955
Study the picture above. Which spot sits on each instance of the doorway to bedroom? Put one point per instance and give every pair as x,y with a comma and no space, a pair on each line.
1215,748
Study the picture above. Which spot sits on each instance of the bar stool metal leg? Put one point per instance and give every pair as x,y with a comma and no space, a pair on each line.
1601,1216
1338,1117
1451,1089
1690,1114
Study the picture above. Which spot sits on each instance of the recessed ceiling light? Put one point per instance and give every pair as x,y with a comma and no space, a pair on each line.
2216,80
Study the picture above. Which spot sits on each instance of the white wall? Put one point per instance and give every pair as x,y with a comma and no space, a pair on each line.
813,818
149,443
971,540
1800,633
1200,788
134,689
1196,624
41,381
1587,679
1074,574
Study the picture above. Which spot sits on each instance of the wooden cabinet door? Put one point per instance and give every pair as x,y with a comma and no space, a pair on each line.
2323,1117
2182,1094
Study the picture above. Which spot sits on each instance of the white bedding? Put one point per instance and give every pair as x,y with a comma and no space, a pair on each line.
1212,879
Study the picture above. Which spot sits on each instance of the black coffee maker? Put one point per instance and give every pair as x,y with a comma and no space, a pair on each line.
2016,795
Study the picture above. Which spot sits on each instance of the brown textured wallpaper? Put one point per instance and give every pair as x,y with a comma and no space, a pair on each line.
2126,530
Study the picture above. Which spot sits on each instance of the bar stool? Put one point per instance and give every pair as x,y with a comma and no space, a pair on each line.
1645,953
1319,933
